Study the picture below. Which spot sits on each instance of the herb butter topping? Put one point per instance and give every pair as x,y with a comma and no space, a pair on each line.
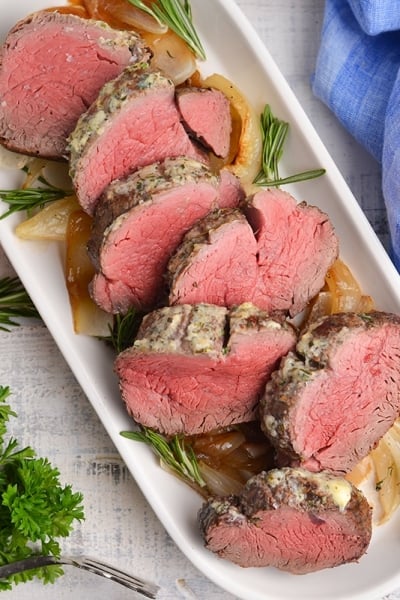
308,487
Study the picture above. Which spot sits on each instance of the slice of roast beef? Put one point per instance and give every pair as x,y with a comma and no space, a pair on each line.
206,115
290,519
279,263
296,246
217,261
52,66
195,368
133,123
330,402
139,222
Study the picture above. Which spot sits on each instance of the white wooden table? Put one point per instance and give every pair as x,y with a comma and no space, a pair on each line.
57,420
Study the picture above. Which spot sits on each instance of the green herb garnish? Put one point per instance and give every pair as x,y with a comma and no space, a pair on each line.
14,303
35,509
29,198
366,317
177,14
174,453
124,329
274,132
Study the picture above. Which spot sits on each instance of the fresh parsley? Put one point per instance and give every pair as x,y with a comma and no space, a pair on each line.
35,508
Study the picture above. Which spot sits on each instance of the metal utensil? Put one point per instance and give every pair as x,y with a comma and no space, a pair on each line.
149,590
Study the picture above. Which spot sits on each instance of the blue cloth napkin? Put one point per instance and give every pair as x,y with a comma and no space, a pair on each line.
358,76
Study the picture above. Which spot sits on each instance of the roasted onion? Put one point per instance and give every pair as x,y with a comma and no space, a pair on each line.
218,481
87,318
361,471
229,457
50,223
122,14
385,460
171,55
73,8
341,293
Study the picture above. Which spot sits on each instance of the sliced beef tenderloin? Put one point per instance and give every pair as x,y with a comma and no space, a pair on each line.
290,519
133,123
139,222
296,246
330,402
52,66
206,115
195,368
217,261
285,254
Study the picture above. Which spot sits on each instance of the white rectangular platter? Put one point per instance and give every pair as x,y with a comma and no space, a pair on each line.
234,50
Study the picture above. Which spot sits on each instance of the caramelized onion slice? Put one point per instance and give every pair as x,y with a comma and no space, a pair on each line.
361,471
387,479
366,304
122,14
171,55
341,293
346,292
88,319
73,8
219,483
50,223
219,444
386,463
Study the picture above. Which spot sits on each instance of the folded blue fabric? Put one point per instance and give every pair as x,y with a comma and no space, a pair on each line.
376,16
358,76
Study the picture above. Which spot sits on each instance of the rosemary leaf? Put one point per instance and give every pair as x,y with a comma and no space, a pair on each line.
29,198
180,458
304,176
274,132
14,303
123,330
177,14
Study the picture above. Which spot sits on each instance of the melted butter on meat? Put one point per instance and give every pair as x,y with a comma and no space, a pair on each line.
338,489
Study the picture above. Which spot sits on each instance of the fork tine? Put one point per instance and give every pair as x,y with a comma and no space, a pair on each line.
147,589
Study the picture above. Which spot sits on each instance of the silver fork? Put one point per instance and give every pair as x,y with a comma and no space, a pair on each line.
149,590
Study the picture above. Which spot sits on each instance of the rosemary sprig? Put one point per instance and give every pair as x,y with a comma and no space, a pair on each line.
179,457
123,330
274,132
177,14
29,198
14,303
304,176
